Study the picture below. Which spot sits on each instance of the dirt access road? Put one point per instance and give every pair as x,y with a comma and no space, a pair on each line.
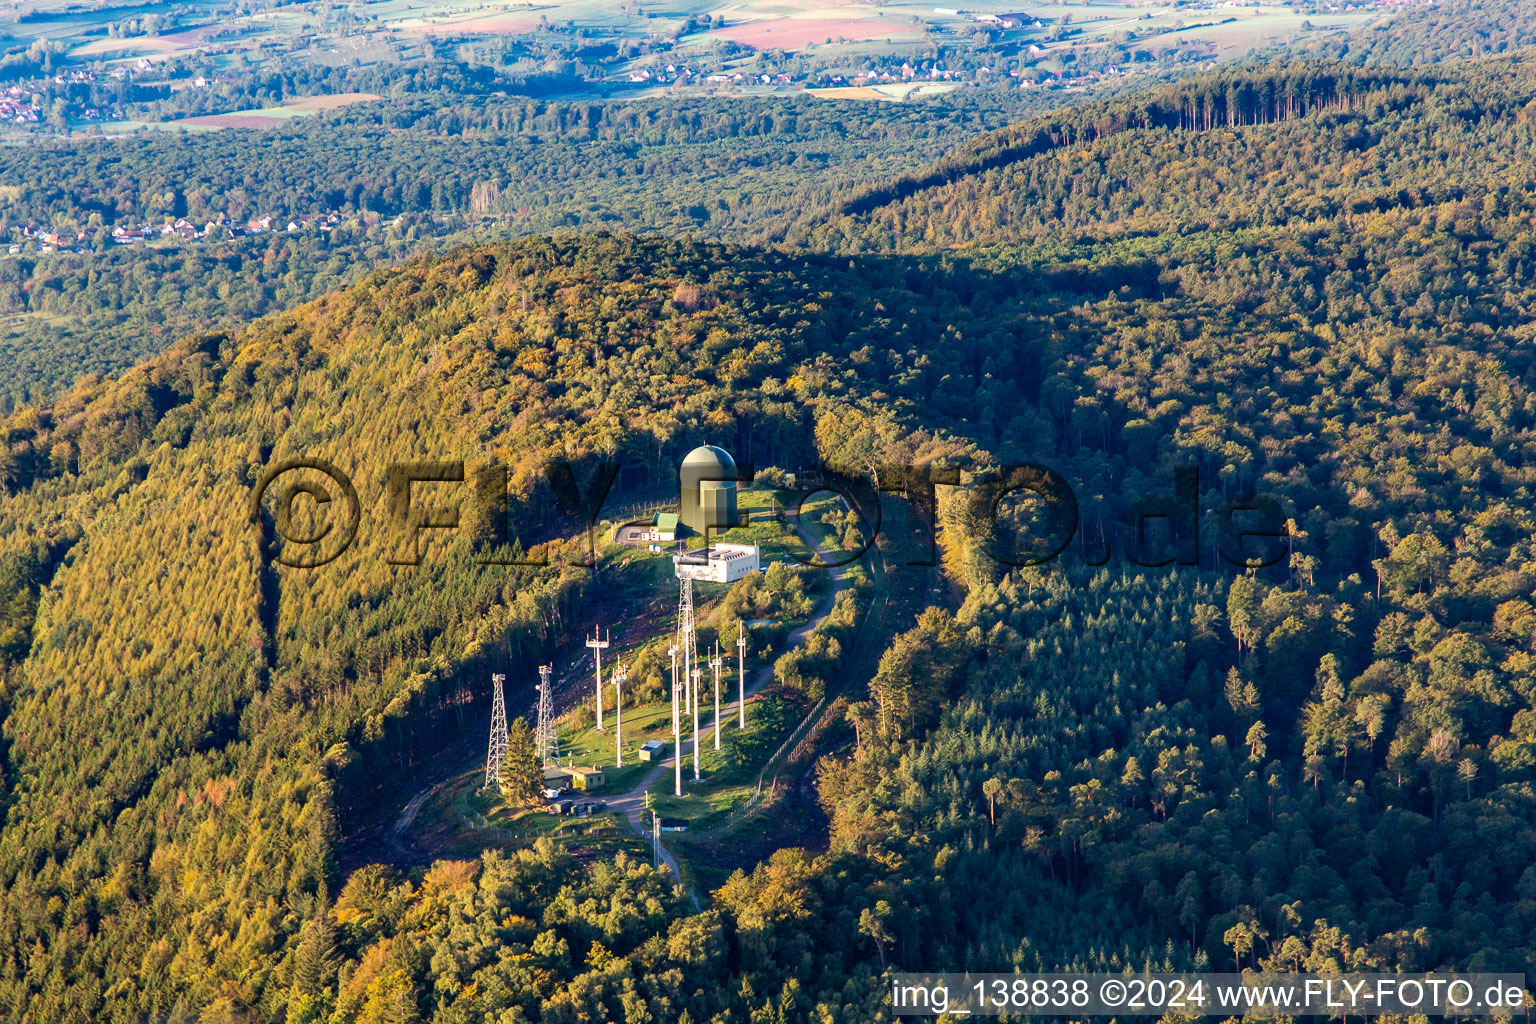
632,803
572,685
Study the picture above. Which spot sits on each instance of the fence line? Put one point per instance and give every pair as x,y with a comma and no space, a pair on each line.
800,734
636,510
791,738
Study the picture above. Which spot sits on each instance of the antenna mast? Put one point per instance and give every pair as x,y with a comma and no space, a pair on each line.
598,647
546,741
696,680
498,744
741,670
688,640
619,675
677,735
688,643
714,664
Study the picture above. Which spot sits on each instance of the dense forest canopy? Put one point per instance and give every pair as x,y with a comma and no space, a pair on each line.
417,173
1446,30
449,157
1308,281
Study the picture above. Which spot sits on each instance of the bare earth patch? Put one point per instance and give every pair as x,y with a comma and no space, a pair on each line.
201,34
232,121
341,99
793,33
136,44
497,25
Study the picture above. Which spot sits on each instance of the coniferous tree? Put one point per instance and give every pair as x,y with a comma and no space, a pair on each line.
521,778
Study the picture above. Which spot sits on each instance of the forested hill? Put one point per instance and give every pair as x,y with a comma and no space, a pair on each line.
188,724
1446,30
1281,147
1317,288
422,171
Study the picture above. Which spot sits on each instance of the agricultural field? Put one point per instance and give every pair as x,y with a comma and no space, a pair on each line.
271,117
891,93
199,61
983,283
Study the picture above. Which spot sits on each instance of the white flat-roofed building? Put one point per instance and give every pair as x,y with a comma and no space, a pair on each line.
726,563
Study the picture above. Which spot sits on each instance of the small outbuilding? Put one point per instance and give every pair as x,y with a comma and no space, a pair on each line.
721,563
653,750
660,529
585,778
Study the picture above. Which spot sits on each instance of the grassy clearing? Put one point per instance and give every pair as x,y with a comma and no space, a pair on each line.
729,774
633,579
464,817
891,93
264,117
589,748
701,804
123,127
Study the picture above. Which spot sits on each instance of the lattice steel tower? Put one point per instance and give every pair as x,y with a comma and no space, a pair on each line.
546,741
687,641
498,744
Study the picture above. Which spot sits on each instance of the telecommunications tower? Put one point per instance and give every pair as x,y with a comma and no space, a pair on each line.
672,650
697,679
688,639
688,650
498,744
714,664
546,741
598,645
619,675
677,733
741,671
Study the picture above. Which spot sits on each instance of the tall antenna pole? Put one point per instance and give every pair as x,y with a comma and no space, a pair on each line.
688,641
687,638
546,740
598,647
498,744
741,671
696,681
677,733
655,836
673,651
714,664
619,675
